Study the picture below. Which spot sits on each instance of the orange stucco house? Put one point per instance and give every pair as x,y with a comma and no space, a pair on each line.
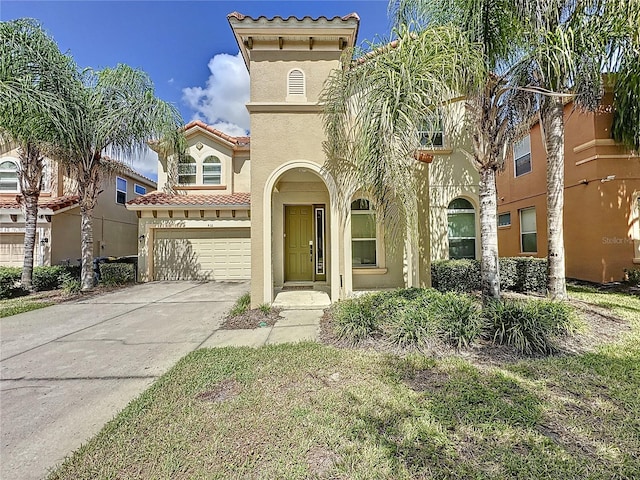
602,186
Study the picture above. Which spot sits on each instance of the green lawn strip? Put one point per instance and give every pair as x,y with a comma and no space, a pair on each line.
309,411
13,306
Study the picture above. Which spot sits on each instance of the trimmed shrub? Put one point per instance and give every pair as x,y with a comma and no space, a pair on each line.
459,319
408,323
354,318
518,274
10,282
47,278
529,326
455,275
117,273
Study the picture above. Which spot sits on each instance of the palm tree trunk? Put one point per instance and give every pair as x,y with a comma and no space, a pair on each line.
30,221
490,274
86,229
553,121
30,176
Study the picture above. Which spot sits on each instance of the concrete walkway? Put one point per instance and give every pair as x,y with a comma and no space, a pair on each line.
66,370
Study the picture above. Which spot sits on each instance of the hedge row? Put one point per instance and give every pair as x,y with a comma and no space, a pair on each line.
518,274
44,278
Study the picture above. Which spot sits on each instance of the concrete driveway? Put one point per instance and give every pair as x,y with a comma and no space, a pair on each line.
66,370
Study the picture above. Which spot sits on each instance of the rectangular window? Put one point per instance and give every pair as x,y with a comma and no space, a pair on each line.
528,235
319,241
522,156
121,191
504,219
187,172
139,189
432,135
363,234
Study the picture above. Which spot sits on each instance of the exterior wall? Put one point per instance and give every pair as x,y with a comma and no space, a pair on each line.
450,176
600,217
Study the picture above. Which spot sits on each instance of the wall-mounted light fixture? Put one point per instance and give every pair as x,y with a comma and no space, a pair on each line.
141,238
44,241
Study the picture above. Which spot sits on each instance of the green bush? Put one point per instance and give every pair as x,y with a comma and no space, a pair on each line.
455,275
632,276
459,319
408,323
354,318
117,273
242,305
47,278
518,274
529,326
10,282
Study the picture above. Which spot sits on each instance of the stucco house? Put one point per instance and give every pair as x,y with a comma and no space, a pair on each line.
115,229
601,195
264,208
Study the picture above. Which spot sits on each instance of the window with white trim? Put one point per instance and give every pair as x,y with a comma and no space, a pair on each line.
364,238
528,233
211,171
522,156
121,190
139,189
8,176
432,134
461,218
504,219
187,171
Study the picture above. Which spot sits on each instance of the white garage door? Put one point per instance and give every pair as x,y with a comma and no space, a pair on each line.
202,254
11,249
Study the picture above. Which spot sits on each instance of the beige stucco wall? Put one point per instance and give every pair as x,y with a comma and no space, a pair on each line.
450,176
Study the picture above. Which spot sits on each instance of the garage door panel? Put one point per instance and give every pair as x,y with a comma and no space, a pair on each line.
12,249
202,254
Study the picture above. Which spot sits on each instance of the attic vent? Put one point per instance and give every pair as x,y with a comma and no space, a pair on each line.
295,86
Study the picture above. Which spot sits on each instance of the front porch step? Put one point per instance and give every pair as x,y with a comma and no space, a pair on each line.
301,300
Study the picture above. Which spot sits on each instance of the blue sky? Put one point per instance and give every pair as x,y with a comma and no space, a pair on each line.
187,47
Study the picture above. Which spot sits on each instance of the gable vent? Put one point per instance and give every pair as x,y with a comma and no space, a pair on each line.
296,84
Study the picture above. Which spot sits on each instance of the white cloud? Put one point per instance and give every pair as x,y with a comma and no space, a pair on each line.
221,103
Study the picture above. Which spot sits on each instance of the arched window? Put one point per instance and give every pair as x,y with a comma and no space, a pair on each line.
296,85
8,176
211,171
461,218
364,239
187,171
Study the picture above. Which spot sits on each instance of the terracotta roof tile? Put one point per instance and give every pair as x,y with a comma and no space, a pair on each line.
53,204
239,16
167,200
238,141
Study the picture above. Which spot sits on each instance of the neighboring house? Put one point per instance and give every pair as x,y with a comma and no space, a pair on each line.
58,226
272,214
601,209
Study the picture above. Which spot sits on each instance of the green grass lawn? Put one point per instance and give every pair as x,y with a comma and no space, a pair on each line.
314,411
14,306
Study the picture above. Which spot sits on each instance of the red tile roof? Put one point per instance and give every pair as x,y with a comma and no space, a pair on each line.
198,201
237,141
240,16
53,204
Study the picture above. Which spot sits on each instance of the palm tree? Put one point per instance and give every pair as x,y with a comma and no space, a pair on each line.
571,44
490,103
36,80
119,115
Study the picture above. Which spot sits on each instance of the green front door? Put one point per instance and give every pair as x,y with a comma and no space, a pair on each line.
298,252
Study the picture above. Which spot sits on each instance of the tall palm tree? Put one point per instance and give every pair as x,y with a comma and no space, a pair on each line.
36,82
570,45
494,111
120,114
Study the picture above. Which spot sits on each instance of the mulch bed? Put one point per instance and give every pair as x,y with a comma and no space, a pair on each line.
254,318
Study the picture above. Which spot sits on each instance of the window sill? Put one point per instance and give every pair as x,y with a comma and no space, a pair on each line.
503,227
368,271
528,254
636,261
436,150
